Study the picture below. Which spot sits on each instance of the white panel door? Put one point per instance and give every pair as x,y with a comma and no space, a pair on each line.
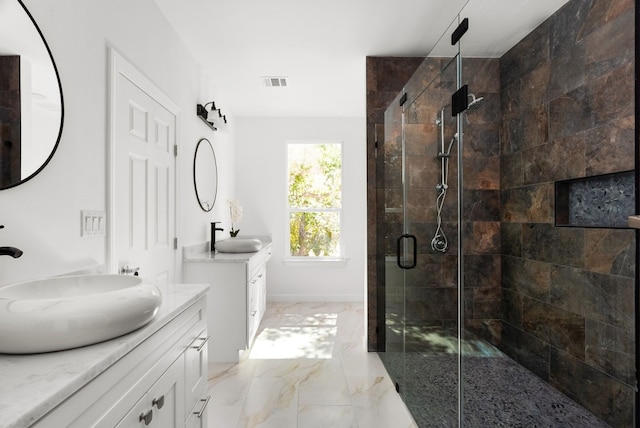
143,176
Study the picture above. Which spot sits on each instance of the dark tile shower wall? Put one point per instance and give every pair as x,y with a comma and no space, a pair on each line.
568,293
431,295
385,78
428,300
431,291
566,111
482,268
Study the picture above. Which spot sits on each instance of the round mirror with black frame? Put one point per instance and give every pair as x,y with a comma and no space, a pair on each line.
205,175
31,106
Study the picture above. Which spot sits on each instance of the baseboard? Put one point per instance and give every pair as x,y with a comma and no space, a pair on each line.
315,297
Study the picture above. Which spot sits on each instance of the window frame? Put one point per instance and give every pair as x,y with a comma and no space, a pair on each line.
288,257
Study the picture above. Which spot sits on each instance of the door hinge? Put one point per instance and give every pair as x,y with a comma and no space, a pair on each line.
175,150
460,100
175,243
403,99
459,32
375,140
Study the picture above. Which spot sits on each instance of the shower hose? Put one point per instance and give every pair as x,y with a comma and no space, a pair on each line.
439,242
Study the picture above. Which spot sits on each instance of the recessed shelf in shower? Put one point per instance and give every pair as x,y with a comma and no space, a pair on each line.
599,201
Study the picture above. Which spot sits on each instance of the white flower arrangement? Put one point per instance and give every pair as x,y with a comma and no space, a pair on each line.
235,209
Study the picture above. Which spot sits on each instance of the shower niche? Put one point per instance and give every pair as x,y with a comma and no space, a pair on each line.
604,201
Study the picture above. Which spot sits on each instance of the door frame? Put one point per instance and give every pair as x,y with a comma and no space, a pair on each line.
118,65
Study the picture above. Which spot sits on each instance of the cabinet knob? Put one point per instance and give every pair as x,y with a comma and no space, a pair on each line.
146,417
158,402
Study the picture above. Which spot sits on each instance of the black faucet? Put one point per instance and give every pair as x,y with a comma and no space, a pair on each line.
10,251
213,235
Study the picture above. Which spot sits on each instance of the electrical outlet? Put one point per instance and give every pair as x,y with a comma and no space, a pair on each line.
92,223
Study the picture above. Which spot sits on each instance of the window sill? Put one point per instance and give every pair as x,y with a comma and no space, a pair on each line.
315,261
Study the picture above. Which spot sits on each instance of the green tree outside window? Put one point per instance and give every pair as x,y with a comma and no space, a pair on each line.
315,196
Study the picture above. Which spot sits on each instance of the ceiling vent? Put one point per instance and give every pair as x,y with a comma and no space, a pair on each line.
274,81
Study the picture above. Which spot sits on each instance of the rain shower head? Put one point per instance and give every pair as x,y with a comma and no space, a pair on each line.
474,102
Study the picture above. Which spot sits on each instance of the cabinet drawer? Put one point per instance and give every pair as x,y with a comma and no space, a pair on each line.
252,315
132,418
255,287
258,261
267,253
255,264
198,416
195,367
162,404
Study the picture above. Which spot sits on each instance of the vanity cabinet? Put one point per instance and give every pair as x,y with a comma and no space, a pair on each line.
162,405
160,383
236,300
257,290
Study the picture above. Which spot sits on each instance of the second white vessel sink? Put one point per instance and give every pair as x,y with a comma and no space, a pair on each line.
239,245
67,312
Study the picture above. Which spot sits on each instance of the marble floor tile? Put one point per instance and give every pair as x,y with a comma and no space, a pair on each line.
270,402
228,383
377,404
323,382
358,363
287,342
277,368
326,417
307,368
223,416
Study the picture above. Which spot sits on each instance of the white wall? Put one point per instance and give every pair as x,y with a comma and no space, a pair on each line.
261,188
42,216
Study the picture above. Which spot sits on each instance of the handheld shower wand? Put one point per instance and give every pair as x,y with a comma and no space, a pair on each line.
439,242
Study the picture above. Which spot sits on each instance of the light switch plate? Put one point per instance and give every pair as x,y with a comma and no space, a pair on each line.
92,223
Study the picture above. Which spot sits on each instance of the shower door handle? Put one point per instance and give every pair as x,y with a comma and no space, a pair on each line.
399,251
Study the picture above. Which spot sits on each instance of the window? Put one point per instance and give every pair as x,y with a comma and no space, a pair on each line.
314,199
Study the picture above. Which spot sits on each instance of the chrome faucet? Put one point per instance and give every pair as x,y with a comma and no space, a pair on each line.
10,251
213,235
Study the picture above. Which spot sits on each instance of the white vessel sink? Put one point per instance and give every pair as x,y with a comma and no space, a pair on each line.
239,245
67,312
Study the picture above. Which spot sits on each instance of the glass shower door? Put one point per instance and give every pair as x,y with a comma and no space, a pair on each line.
430,289
394,214
421,294
422,322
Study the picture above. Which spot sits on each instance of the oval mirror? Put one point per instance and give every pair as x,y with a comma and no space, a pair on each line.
31,108
205,174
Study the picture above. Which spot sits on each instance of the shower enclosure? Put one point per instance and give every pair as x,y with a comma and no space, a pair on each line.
460,298
426,324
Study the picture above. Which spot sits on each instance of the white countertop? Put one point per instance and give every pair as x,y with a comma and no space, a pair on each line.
32,385
201,253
